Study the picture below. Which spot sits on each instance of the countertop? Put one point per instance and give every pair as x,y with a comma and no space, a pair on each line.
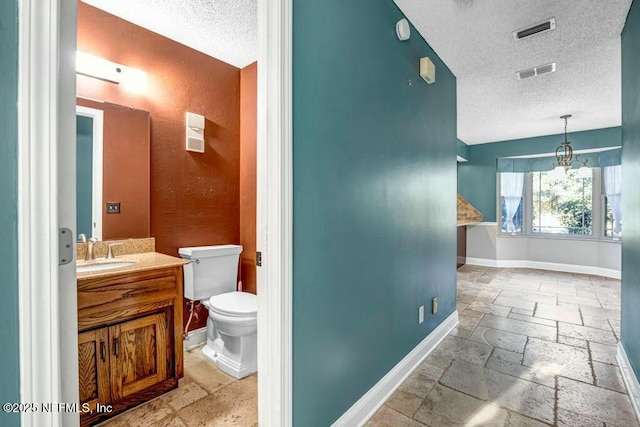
143,262
463,223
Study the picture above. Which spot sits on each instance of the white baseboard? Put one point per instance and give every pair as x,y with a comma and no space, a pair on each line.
368,404
482,262
552,266
630,379
195,338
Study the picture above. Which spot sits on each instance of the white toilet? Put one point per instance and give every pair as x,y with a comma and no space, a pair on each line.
210,277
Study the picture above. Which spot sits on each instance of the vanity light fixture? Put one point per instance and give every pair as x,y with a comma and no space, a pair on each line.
565,157
195,132
95,67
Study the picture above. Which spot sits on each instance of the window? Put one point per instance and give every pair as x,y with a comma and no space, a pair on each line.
608,220
562,205
511,185
518,222
541,203
612,179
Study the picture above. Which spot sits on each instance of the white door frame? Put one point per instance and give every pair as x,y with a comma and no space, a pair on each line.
46,201
275,213
47,298
96,167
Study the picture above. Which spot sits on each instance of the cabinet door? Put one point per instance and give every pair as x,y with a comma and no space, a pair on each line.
93,367
138,354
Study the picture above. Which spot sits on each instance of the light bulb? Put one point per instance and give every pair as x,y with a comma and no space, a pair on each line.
584,172
558,172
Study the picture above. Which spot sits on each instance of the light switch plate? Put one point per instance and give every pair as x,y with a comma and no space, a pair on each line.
421,314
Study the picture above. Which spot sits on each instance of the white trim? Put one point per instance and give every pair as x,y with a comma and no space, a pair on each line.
629,378
585,151
482,262
551,266
274,213
484,224
37,209
96,167
195,338
47,292
367,405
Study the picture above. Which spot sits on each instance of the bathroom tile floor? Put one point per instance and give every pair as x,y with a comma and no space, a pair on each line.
205,397
533,348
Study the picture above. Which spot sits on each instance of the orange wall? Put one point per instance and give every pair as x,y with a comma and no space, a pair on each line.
125,176
248,139
195,198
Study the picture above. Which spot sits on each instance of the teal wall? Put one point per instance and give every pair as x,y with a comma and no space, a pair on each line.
631,200
10,372
84,175
374,200
463,149
477,177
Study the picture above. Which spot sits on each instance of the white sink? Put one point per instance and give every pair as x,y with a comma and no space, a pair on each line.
87,268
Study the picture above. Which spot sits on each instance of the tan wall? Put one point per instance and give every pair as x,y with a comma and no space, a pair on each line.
248,139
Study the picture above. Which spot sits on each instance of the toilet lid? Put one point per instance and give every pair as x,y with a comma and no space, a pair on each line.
235,304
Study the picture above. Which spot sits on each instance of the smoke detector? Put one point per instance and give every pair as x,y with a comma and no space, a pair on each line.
542,27
536,71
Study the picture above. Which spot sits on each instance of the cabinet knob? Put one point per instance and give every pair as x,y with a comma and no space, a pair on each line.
115,347
103,351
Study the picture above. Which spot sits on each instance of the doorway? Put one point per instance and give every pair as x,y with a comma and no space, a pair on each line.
47,203
89,155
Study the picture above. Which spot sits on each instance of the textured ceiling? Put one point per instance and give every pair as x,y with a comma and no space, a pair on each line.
224,29
474,39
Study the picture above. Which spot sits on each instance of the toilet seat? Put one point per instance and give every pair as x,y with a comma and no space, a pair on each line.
234,304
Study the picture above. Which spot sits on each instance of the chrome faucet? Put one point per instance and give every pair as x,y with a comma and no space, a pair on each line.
110,254
90,256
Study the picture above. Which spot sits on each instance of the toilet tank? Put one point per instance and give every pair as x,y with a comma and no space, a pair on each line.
212,270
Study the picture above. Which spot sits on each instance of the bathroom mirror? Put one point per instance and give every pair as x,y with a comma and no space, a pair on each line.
112,170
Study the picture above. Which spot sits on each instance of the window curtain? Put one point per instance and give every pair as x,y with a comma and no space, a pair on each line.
511,191
613,190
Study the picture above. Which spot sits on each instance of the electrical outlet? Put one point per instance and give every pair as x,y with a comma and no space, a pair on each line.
113,207
434,305
421,314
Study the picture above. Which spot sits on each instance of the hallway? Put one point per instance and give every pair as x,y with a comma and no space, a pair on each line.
532,348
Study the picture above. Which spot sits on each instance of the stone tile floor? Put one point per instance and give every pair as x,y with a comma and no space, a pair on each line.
533,348
205,397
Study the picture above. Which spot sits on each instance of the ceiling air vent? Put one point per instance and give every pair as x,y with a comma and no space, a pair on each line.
548,25
536,71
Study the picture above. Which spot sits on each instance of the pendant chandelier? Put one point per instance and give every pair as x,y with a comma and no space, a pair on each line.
565,158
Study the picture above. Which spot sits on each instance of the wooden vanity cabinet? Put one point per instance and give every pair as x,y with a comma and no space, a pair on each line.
129,341
93,368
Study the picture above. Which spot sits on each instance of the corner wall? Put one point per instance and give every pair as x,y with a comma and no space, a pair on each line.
9,331
374,200
630,324
248,172
586,256
477,177
195,198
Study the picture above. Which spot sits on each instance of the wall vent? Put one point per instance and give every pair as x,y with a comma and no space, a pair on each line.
536,71
543,27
